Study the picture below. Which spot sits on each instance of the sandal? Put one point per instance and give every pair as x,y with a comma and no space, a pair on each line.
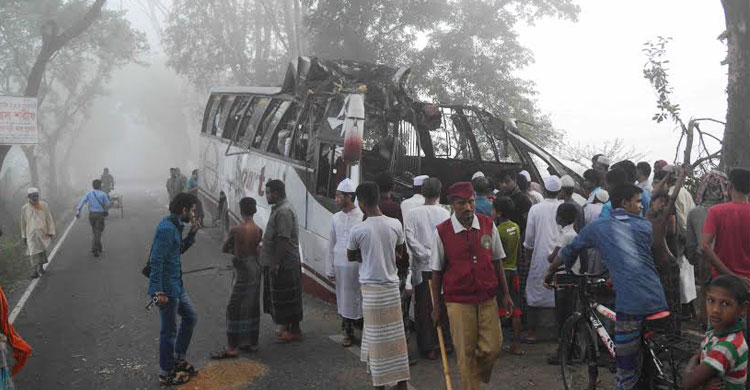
174,378
509,349
224,354
184,366
249,348
347,342
288,337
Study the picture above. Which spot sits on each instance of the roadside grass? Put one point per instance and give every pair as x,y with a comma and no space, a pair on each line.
14,264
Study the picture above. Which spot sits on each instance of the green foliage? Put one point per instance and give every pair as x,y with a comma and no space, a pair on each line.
75,76
656,72
462,52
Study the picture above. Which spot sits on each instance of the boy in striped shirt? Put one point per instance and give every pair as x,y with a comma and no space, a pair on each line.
721,362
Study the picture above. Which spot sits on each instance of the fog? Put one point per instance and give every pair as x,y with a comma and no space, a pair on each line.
148,122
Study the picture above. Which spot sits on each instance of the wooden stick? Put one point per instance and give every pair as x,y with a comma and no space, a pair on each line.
446,367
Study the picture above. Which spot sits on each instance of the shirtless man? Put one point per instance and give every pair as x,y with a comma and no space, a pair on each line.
243,310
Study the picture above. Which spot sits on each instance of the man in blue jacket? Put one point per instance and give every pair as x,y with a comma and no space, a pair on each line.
98,203
165,284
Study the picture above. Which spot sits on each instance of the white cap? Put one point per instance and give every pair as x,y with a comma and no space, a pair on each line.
567,181
419,180
477,174
346,185
33,190
526,175
602,160
552,183
602,196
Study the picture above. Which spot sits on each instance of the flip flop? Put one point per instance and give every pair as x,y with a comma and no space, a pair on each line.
223,354
508,349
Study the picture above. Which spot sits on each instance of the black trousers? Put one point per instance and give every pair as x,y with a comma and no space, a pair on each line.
97,227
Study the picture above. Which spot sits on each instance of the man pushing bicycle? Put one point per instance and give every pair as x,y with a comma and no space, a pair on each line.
624,240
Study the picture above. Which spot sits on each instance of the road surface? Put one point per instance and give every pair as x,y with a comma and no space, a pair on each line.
87,323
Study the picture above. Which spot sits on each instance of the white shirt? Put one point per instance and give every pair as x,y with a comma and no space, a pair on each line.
542,233
420,228
341,225
567,235
683,205
646,185
592,211
377,238
535,197
437,261
410,204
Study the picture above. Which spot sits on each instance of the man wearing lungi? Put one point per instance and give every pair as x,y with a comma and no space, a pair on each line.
376,243
419,227
37,230
340,269
466,262
243,310
282,291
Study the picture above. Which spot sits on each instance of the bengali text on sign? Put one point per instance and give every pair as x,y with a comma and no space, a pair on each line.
18,120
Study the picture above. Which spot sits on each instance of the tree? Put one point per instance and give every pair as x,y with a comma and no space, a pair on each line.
461,52
241,42
614,150
656,71
737,131
68,72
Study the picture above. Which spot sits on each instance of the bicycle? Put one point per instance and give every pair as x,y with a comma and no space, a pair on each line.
664,354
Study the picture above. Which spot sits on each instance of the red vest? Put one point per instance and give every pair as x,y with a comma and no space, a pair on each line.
469,274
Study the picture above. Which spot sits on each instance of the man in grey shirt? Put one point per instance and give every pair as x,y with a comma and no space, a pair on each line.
282,292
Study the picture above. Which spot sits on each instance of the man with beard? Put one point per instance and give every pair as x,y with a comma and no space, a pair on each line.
466,267
37,230
282,294
165,284
340,269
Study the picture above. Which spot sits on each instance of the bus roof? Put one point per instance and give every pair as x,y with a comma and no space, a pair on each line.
250,90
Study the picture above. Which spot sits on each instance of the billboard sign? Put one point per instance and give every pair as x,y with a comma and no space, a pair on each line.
18,121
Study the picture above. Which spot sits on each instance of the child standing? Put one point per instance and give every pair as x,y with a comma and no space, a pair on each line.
510,235
721,362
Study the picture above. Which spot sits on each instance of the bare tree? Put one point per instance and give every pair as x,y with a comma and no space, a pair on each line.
615,150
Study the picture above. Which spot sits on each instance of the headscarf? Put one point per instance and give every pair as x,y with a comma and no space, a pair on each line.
21,349
713,188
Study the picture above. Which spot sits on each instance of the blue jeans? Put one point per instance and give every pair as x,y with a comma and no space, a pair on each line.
173,344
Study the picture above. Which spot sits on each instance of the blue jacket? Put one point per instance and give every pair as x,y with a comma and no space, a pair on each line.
166,249
624,241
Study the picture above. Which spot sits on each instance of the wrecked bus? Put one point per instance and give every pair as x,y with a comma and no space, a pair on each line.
300,132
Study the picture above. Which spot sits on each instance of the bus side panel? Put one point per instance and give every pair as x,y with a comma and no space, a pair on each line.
245,175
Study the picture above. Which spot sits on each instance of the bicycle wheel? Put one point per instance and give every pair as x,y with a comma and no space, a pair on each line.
578,355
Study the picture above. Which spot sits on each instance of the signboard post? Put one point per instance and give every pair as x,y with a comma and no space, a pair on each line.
18,121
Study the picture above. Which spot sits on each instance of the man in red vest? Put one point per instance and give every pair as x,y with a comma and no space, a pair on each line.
466,264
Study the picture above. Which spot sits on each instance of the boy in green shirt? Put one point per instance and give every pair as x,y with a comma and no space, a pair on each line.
510,235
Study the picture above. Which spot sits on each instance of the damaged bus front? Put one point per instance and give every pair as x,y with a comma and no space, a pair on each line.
336,119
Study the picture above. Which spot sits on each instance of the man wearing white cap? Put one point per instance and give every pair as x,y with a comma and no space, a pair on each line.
534,195
340,269
591,213
417,199
541,237
420,226
566,195
600,163
37,230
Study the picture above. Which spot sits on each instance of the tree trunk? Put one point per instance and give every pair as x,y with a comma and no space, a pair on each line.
291,33
51,43
736,145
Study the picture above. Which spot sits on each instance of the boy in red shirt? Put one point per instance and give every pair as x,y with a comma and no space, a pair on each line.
726,232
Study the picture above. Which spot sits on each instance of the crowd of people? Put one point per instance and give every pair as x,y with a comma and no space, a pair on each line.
486,257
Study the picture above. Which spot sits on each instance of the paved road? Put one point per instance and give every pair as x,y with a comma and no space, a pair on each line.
87,323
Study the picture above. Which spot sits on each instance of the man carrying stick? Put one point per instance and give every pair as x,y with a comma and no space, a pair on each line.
466,257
